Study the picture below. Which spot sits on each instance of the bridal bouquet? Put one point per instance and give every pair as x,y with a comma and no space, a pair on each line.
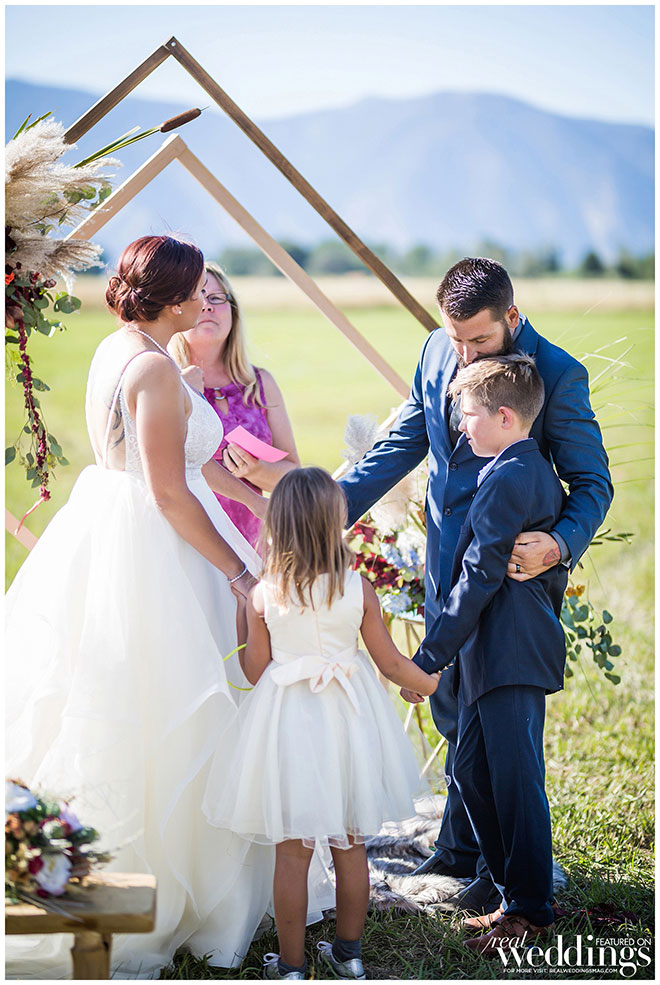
45,846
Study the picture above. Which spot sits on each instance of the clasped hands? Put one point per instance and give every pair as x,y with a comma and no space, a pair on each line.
412,697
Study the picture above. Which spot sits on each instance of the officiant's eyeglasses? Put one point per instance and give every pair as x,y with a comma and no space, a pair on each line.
216,299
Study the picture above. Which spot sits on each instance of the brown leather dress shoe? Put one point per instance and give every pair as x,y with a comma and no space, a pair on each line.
508,932
484,921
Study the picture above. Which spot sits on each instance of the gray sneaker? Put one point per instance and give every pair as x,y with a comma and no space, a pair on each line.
271,969
342,969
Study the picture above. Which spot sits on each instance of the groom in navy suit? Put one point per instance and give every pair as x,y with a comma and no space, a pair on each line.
480,319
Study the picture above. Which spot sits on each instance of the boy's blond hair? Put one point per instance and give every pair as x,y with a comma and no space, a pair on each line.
303,535
503,381
236,359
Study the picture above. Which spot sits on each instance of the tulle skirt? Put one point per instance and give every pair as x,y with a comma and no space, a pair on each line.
118,696
313,766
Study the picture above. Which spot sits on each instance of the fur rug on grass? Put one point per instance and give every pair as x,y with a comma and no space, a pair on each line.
396,852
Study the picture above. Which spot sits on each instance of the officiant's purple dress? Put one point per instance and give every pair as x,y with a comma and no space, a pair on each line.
253,419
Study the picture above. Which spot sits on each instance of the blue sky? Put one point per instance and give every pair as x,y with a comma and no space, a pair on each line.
592,61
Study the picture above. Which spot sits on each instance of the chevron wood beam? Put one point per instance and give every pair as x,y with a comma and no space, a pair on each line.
110,100
284,262
120,197
174,47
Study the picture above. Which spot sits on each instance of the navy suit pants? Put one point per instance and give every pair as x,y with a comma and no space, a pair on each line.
456,842
500,772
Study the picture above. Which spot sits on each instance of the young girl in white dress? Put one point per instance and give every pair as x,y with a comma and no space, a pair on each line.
321,758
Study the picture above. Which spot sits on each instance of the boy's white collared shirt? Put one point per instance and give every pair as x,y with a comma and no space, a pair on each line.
488,466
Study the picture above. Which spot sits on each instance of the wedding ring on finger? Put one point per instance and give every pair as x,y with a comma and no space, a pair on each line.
517,569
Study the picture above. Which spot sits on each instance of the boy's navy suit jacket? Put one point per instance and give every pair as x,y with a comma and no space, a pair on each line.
507,632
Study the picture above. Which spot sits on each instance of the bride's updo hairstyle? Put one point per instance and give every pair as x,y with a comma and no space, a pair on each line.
303,535
153,273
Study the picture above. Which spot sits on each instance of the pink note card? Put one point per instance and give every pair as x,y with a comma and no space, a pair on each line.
255,446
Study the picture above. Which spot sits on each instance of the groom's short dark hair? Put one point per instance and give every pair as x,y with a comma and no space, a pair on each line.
472,284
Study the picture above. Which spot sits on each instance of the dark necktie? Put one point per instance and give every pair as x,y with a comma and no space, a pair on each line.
453,414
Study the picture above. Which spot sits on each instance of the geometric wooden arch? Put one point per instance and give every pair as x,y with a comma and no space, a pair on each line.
174,148
172,47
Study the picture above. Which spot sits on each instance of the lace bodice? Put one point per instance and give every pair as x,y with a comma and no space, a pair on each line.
203,435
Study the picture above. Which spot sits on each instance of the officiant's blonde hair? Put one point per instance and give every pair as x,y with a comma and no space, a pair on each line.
302,535
235,356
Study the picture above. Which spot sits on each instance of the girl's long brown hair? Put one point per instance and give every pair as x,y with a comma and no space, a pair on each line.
235,357
303,535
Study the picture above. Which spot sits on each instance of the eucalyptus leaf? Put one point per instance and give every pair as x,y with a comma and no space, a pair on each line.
613,677
10,454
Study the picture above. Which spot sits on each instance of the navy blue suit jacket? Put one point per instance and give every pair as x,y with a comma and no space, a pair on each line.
507,632
566,431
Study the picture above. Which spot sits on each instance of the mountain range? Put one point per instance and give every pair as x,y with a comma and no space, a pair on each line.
448,170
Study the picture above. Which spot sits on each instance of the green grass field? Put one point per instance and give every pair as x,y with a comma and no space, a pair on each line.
599,738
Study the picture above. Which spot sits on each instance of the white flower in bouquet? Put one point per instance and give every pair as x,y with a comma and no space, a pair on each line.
18,798
54,874
412,547
392,512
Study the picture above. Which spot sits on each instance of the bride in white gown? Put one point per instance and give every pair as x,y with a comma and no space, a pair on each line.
118,623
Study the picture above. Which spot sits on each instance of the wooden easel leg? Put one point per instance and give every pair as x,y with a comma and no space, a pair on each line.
91,955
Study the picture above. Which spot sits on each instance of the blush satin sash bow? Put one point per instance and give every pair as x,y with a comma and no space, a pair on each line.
319,670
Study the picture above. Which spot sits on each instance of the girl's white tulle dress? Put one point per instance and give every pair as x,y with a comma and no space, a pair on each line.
118,696
321,754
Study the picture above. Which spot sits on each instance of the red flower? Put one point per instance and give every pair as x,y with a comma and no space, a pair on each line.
35,865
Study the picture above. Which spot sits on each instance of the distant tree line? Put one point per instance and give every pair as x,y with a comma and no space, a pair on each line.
334,257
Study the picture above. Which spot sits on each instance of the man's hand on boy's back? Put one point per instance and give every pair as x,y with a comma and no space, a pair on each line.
533,553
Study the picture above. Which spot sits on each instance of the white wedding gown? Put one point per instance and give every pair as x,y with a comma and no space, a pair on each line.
118,696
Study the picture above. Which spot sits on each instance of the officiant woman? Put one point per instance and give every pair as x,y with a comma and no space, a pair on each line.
213,357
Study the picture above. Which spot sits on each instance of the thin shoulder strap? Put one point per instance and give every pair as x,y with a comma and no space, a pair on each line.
115,398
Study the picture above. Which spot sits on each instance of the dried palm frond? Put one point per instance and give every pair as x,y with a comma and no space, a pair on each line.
360,436
38,188
54,257
392,511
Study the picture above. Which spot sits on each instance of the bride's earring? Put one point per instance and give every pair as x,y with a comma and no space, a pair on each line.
179,311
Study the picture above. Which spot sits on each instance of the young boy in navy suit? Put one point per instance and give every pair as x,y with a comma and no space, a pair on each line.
509,647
